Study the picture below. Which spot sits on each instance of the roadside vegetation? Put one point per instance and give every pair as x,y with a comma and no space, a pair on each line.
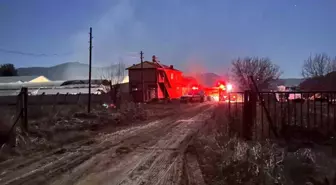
225,158
51,127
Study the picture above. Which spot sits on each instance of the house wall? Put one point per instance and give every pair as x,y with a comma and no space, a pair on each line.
149,75
174,76
176,81
150,84
124,87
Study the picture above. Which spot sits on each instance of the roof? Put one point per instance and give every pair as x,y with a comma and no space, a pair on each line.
7,86
9,79
148,64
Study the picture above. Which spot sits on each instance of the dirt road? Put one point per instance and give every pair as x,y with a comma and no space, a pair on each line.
152,153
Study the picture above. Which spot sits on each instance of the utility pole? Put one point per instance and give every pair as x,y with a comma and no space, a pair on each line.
90,66
142,78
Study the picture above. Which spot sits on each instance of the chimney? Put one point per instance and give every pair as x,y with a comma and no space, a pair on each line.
171,67
154,58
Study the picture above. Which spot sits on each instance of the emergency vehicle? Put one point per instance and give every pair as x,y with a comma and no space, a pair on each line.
225,91
196,94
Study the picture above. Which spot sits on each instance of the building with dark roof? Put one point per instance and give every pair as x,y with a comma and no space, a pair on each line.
160,81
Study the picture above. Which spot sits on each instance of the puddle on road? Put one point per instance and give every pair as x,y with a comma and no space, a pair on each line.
123,150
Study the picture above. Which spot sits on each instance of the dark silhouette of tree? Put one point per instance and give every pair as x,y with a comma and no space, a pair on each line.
318,66
263,71
8,70
333,65
113,76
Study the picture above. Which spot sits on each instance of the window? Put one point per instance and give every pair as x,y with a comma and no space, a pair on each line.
171,75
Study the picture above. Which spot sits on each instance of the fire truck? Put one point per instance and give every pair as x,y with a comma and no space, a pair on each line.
225,91
196,94
221,91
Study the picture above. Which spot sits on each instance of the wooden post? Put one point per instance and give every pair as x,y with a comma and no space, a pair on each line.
24,108
261,99
142,78
249,109
90,66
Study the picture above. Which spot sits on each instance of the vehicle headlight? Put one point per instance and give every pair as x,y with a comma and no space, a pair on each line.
229,87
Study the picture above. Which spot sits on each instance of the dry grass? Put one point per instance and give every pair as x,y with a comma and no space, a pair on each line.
229,160
53,126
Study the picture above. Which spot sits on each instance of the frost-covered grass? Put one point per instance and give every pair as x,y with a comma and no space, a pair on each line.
233,161
229,160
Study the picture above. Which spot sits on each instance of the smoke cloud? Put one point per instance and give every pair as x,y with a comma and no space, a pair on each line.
115,36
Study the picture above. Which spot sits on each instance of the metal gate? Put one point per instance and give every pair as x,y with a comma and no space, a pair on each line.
290,115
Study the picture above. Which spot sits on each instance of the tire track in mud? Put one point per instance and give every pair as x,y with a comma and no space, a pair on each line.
159,164
53,165
192,171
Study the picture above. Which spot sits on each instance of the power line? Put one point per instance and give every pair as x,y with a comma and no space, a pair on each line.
33,54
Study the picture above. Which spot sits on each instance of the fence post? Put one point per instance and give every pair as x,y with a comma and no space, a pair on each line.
24,108
248,114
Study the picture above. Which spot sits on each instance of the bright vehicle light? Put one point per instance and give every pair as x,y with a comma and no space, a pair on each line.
194,88
229,87
222,86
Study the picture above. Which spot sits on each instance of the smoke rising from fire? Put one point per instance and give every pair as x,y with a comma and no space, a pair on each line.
121,32
115,36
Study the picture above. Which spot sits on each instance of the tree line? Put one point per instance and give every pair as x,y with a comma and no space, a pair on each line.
8,70
265,72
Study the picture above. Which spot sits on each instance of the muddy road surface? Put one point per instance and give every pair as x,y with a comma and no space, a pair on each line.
152,153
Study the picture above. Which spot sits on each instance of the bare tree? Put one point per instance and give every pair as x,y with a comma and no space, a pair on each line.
114,73
263,71
317,66
113,76
333,65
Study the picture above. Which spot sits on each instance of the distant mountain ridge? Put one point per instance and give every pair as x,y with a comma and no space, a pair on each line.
210,79
289,81
80,71
65,71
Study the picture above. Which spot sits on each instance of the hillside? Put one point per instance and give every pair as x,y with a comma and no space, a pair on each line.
323,83
209,79
65,71
289,81
76,71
